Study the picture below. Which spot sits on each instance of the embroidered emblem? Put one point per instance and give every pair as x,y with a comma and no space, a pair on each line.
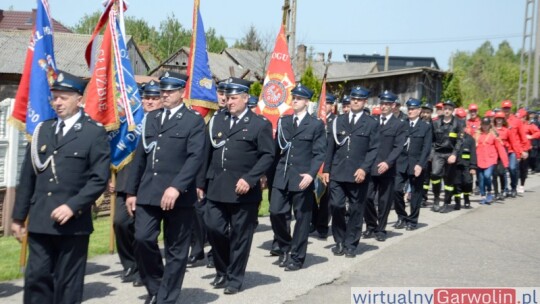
77,126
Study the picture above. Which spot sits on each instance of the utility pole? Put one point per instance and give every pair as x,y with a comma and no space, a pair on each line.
524,88
289,20
536,81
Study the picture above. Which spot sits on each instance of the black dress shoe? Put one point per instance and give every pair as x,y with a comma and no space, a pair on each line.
151,299
129,275
219,282
192,260
276,252
397,223
368,234
400,225
338,249
350,253
381,237
210,264
231,290
293,266
323,235
284,260
410,227
138,282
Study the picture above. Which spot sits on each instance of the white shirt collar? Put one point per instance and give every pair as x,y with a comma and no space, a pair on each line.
242,114
388,117
414,122
173,111
300,116
68,123
358,115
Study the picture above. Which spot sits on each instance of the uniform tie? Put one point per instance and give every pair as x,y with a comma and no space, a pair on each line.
352,121
383,120
60,133
412,124
295,122
167,117
234,121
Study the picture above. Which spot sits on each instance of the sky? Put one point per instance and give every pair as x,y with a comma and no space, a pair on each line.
425,28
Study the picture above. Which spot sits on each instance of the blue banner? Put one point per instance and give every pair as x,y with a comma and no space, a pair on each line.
43,71
124,140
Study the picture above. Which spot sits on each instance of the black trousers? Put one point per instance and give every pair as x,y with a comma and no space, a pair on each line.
417,193
198,232
55,269
401,181
377,216
348,232
230,232
165,282
321,213
440,168
124,232
301,203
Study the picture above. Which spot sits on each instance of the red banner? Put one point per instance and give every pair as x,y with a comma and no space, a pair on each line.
275,99
18,116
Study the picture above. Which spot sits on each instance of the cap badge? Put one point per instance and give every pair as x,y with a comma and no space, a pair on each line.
60,77
77,126
166,74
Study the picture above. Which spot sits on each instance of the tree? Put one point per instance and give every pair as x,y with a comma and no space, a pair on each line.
452,89
255,89
87,23
141,32
172,36
214,43
309,80
251,41
485,76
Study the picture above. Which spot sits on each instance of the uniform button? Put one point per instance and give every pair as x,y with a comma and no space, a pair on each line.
155,173
224,159
292,156
55,152
224,169
157,160
51,180
226,149
49,194
347,157
160,135
158,148
227,139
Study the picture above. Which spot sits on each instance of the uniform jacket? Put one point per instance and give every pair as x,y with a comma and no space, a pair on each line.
248,153
509,141
417,149
81,161
392,137
473,125
467,154
306,153
173,162
447,137
489,148
515,126
357,153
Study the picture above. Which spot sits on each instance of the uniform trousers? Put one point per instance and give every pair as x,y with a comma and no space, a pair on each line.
321,213
417,195
198,233
230,232
165,282
55,270
301,203
348,232
124,232
377,216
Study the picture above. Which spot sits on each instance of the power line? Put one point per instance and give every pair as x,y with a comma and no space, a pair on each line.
419,41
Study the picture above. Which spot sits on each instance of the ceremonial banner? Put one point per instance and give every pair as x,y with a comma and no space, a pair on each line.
321,112
275,99
33,99
200,88
112,96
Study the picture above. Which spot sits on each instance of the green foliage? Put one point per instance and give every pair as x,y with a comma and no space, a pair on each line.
172,36
255,89
87,23
452,89
214,43
251,41
309,80
486,76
